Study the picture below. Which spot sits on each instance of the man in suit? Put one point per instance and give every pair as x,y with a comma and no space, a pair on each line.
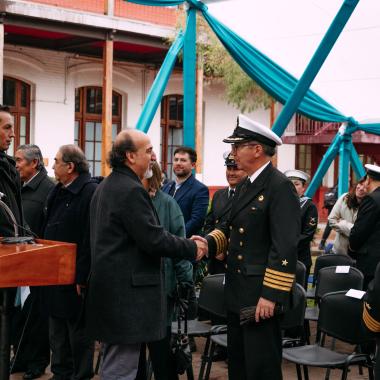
68,219
371,314
260,242
126,300
221,205
10,185
364,239
309,218
191,195
33,350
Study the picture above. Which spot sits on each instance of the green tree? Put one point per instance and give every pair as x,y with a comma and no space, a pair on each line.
218,65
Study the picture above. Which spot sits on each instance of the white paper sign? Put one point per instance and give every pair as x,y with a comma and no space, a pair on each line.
25,291
355,293
342,269
224,280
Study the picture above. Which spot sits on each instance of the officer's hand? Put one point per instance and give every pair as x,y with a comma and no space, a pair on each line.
202,246
264,309
220,256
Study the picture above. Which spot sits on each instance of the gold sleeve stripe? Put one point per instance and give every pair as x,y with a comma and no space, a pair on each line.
220,240
281,274
371,323
281,283
276,286
284,279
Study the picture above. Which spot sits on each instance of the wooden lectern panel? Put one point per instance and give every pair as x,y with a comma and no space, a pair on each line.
44,263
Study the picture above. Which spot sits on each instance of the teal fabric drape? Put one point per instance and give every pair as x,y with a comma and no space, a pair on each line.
157,90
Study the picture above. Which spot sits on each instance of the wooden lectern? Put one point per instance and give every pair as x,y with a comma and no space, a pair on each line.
44,262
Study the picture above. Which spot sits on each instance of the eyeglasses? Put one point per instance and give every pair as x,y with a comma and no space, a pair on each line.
235,147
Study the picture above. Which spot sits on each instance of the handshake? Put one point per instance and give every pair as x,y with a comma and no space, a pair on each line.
202,246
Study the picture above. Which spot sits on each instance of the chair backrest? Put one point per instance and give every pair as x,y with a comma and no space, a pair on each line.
300,273
341,317
330,281
328,261
211,295
295,316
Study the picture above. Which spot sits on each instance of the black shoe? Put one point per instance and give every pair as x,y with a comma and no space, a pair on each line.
33,374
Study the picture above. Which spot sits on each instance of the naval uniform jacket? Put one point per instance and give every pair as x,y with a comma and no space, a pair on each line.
260,240
364,240
218,214
309,223
371,311
126,299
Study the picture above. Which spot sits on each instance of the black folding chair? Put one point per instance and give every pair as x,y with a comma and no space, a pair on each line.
211,300
329,281
327,260
340,317
301,273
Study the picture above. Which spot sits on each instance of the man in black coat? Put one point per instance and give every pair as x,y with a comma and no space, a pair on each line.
260,242
126,301
33,350
364,239
371,314
221,206
10,185
309,219
68,219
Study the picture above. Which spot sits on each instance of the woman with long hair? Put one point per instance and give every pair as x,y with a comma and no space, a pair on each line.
343,215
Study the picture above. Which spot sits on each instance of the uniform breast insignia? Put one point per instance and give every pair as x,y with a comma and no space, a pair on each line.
284,263
260,198
312,221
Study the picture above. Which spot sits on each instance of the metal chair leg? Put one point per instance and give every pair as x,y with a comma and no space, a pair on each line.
299,373
306,372
190,373
205,358
209,363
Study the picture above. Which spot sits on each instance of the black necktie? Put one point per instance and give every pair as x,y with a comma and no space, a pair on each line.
231,193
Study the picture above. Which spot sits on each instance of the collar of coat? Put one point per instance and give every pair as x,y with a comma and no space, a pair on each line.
35,182
76,186
126,170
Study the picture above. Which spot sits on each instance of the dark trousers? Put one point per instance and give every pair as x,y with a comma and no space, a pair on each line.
30,335
72,352
377,365
254,350
161,357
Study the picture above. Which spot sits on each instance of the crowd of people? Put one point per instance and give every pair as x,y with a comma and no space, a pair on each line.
139,241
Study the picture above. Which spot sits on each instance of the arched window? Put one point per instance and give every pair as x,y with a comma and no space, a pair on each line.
88,123
171,129
16,95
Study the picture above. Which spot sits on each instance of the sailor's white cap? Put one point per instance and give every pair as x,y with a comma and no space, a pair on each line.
250,130
373,171
297,174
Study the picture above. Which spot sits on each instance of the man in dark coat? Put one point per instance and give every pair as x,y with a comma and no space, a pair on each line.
33,350
221,206
364,239
68,219
260,242
309,218
371,314
191,194
126,300
10,185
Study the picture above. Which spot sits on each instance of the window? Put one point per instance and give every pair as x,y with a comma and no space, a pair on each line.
171,130
303,155
88,123
16,95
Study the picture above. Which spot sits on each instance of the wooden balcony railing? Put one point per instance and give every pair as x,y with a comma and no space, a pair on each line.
306,126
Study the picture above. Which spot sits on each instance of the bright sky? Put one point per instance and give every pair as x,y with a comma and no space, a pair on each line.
289,31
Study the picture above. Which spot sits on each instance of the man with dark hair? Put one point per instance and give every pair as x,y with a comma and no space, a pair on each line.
33,350
191,195
68,219
126,301
10,185
259,241
364,239
221,206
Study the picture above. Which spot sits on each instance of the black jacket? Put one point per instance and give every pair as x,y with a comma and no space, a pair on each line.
261,238
371,312
34,195
10,186
218,214
68,220
309,224
126,301
364,240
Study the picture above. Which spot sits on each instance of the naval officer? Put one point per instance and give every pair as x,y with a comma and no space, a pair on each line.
260,243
